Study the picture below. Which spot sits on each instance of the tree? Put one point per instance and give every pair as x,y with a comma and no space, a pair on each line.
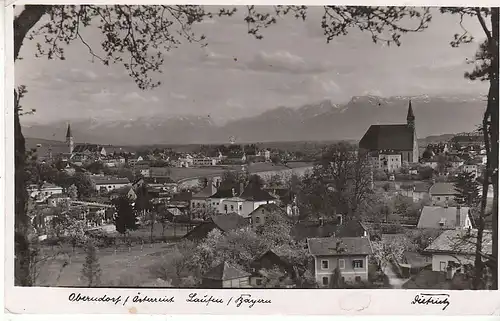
425,172
277,230
176,265
91,270
73,192
336,281
126,219
467,190
486,69
347,173
143,202
275,180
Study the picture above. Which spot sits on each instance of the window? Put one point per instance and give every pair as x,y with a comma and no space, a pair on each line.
324,264
262,211
357,264
325,280
447,198
257,220
241,207
438,198
225,207
232,207
442,266
341,264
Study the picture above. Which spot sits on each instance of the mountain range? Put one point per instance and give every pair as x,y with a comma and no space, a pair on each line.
322,121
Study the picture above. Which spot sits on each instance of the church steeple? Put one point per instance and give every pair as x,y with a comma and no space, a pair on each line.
410,118
69,139
68,132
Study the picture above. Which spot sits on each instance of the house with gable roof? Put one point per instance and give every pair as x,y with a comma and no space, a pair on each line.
437,217
442,193
349,254
224,276
223,223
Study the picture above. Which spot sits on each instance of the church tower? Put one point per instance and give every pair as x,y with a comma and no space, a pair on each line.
69,139
410,118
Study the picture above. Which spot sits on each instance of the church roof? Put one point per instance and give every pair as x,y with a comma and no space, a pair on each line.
388,137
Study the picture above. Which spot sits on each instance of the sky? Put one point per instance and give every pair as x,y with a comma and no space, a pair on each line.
236,75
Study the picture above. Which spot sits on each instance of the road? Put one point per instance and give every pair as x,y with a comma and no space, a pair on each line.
394,280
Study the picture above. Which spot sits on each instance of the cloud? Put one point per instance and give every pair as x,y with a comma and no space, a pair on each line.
283,61
134,96
178,96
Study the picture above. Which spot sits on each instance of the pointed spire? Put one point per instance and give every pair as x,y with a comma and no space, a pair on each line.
68,132
410,111
410,118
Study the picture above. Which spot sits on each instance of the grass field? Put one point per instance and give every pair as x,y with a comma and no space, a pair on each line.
127,269
119,268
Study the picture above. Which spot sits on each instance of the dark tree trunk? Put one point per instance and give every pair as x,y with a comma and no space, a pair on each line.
494,99
22,25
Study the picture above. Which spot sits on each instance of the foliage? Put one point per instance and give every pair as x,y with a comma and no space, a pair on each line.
175,266
91,270
467,190
143,201
126,219
277,230
336,280
73,192
422,238
425,173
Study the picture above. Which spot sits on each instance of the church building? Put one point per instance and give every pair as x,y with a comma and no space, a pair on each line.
391,146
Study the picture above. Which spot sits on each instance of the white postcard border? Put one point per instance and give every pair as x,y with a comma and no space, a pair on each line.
38,300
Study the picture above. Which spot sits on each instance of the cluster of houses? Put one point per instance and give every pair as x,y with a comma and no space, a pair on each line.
334,244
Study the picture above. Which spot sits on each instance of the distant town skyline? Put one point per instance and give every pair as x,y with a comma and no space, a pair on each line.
236,75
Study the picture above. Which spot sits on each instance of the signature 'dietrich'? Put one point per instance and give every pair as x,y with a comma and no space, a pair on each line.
433,299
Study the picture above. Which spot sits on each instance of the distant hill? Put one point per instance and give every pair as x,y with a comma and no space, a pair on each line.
323,121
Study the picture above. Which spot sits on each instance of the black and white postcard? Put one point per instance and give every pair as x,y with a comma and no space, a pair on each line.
251,159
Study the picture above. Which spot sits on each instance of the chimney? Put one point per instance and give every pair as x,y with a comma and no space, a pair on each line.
458,217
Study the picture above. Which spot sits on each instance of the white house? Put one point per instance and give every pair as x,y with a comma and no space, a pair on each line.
471,169
349,254
442,193
43,192
390,162
108,183
454,249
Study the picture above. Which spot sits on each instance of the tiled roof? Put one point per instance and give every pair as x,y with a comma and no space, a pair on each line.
80,148
332,246
226,191
442,188
304,230
228,222
382,137
103,180
421,187
225,271
204,193
182,197
460,242
431,217
256,194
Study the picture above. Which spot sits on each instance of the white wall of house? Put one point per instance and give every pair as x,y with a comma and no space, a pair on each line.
440,261
45,192
110,187
323,274
440,200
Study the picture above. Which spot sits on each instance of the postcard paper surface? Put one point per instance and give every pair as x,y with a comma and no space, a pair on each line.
295,159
